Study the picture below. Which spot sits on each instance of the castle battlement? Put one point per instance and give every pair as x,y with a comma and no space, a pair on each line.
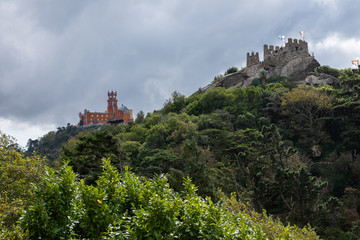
278,55
252,59
273,50
296,45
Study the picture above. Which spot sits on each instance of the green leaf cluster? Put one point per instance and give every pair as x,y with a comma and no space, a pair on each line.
18,177
128,207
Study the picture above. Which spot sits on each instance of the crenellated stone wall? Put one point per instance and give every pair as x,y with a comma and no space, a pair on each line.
252,59
278,56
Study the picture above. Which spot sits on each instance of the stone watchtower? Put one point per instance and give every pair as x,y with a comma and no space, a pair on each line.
252,59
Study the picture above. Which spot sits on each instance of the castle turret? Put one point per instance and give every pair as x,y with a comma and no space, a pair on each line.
295,45
266,51
269,51
252,59
112,103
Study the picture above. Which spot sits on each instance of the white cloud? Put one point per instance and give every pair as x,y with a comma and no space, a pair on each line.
337,50
332,4
334,41
22,131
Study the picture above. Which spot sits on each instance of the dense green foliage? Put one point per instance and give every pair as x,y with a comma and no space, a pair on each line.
129,207
18,177
231,70
328,70
258,142
85,154
291,150
50,144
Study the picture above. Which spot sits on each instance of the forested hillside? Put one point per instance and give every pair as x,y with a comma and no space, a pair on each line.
290,150
39,202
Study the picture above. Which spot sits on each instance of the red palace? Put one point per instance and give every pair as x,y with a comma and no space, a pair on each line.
113,114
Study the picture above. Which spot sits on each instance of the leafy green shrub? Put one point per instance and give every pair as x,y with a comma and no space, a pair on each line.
13,232
336,234
231,70
255,82
18,177
276,79
95,215
129,207
51,215
328,70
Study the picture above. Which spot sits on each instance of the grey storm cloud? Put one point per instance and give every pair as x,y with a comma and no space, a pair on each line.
59,57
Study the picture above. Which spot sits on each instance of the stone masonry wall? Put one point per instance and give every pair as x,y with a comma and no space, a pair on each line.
279,56
252,59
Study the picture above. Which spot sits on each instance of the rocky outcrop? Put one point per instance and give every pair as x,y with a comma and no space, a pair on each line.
319,79
233,80
254,71
299,68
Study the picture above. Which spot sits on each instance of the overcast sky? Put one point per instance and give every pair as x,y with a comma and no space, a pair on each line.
59,57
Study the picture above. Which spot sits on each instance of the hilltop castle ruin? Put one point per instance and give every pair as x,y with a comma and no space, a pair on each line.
279,56
292,61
